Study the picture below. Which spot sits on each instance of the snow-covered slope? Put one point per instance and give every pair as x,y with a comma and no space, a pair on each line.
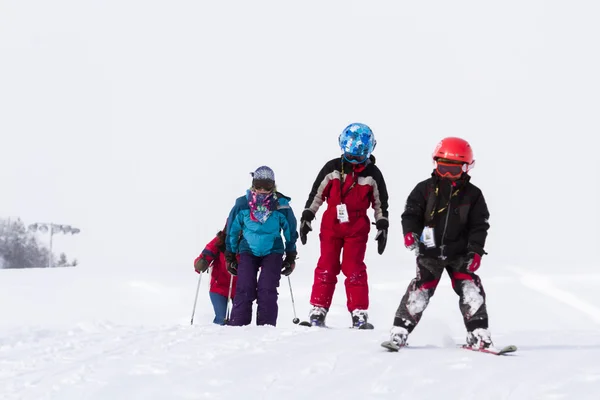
69,334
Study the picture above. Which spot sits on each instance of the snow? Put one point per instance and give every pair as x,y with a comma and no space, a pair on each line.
139,122
72,334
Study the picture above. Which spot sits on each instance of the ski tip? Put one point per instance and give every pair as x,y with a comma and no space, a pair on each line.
508,349
390,346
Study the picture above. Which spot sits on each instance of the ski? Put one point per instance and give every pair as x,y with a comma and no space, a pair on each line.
368,325
498,352
391,346
308,324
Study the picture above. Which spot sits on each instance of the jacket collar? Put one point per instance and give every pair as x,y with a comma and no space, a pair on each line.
358,168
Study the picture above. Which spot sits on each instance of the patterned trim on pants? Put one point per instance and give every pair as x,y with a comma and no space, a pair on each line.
466,285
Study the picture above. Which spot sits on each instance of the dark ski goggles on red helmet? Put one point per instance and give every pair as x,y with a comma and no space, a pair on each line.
449,169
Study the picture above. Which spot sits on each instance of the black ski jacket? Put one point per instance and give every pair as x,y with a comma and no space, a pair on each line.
456,210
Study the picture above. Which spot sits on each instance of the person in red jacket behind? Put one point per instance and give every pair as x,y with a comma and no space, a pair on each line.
350,184
220,280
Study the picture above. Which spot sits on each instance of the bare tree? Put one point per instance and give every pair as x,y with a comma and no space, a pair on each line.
20,248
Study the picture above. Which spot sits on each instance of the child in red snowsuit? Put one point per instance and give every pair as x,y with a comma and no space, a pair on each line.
220,280
350,184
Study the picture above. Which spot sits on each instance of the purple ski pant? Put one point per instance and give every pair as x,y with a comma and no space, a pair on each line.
263,290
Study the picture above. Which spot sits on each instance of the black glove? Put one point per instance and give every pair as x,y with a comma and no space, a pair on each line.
382,231
231,263
289,263
201,265
305,220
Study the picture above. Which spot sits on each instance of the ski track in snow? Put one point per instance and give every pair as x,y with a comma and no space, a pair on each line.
544,284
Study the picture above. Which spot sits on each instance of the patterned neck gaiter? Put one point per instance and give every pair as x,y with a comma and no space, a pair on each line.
260,205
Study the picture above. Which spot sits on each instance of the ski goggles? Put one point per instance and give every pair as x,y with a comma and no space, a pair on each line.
450,170
265,185
355,159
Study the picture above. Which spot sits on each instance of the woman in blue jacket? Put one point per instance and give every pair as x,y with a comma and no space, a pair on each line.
254,229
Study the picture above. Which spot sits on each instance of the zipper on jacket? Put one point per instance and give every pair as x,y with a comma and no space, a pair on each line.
342,181
442,245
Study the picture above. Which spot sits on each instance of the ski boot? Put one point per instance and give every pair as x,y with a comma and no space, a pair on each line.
359,320
480,338
316,317
398,338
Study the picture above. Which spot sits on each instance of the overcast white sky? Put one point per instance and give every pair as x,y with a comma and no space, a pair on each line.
138,121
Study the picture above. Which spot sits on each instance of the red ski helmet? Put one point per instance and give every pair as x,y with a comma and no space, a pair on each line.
455,149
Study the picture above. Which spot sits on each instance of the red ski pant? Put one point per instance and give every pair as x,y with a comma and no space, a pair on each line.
353,242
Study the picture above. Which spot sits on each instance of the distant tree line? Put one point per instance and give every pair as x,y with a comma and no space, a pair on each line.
19,248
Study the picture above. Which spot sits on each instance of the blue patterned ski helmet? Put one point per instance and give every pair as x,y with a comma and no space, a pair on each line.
357,143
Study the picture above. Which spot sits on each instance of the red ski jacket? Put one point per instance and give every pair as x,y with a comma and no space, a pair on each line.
363,186
220,278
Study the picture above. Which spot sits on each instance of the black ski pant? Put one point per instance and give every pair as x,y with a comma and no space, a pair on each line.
466,284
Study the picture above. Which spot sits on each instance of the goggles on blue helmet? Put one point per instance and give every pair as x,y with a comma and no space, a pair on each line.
351,158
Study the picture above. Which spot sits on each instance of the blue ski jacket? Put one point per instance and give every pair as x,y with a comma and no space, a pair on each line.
261,238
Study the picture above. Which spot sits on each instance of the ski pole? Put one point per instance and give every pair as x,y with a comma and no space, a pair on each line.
229,297
295,320
197,290
196,299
